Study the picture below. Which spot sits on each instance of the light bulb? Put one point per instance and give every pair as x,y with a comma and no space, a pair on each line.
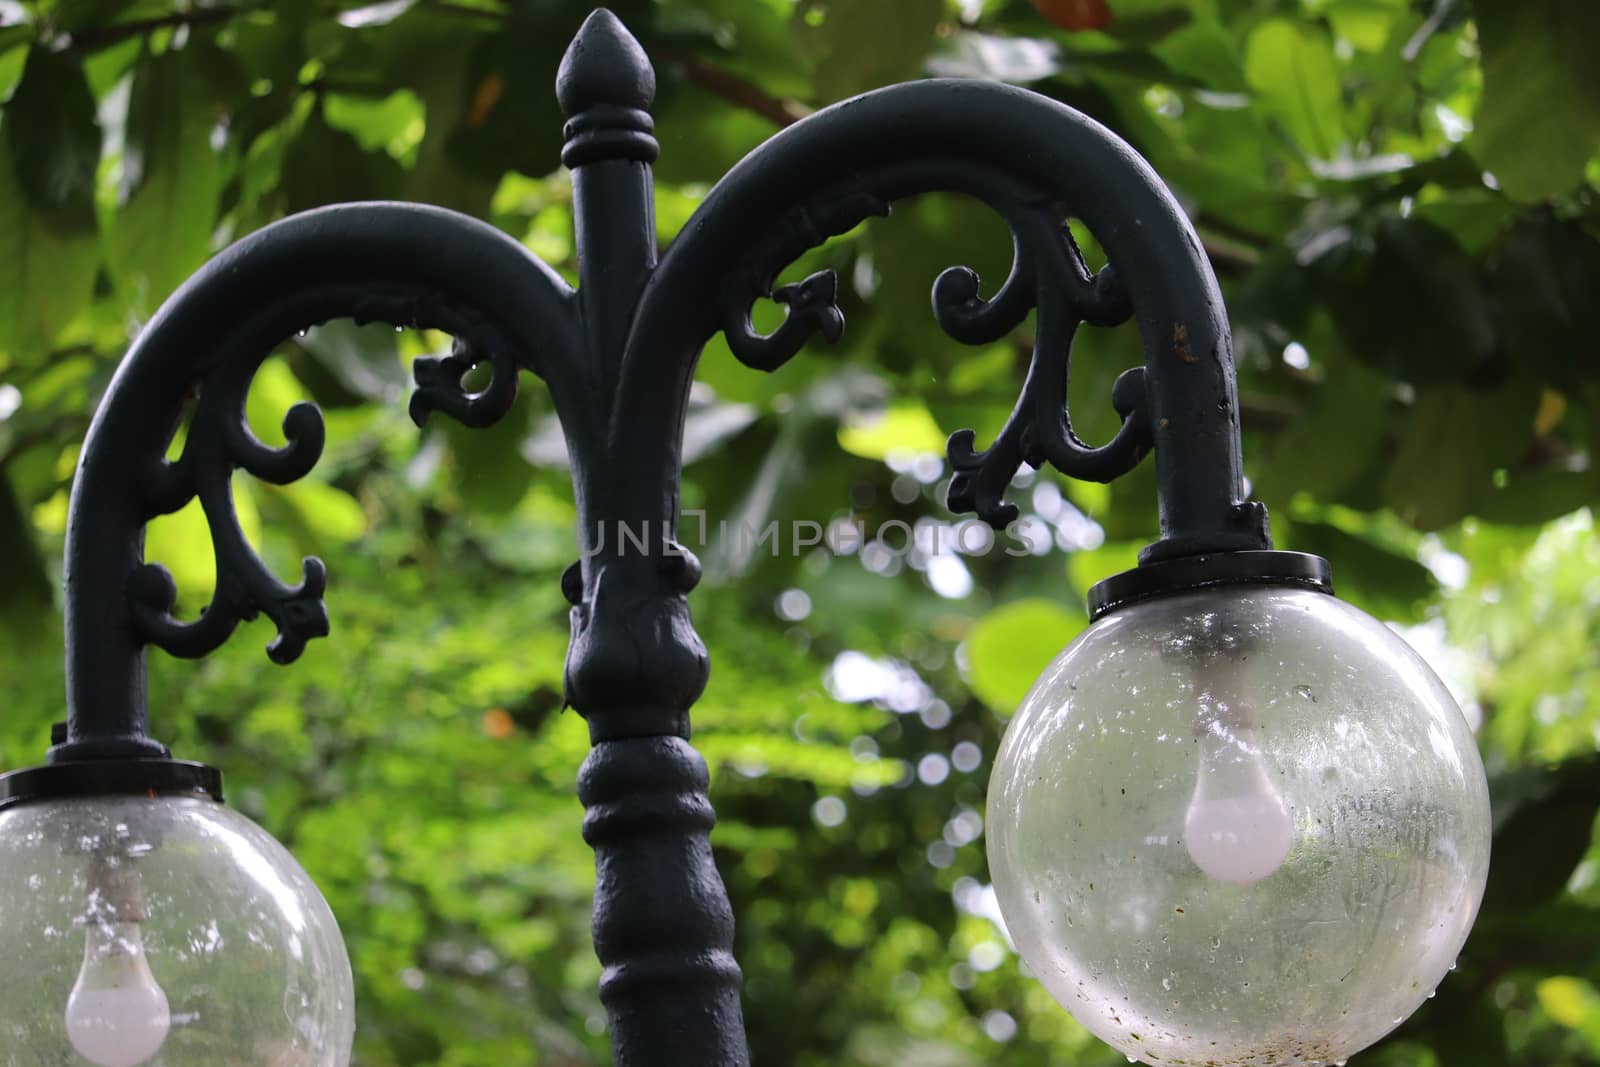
117,1016
1237,828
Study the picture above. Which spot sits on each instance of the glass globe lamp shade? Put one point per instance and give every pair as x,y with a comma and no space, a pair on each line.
1243,826
163,932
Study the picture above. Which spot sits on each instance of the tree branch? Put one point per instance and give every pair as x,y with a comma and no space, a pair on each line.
732,88
102,36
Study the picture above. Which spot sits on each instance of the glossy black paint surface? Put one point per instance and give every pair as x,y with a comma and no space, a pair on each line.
618,355
128,777
1186,574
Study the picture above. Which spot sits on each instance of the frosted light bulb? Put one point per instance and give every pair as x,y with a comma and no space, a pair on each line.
117,1016
1237,828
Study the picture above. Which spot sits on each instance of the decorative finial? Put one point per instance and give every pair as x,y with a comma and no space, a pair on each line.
604,85
605,66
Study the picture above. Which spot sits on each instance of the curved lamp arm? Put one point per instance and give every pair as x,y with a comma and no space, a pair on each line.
1035,162
403,264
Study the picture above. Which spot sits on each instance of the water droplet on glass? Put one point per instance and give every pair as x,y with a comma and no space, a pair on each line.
1433,994
1166,983
1304,692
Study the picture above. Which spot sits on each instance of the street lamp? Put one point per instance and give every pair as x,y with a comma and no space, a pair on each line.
1236,822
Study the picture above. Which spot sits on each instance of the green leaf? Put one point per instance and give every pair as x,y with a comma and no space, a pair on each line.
1534,496
1544,819
364,359
273,392
1366,24
1411,304
392,124
1349,406
78,14
1391,586
46,276
902,428
511,120
326,166
701,135
435,54
1543,277
1456,439
271,44
1473,216
753,38
1539,121
182,543
489,470
329,515
1009,647
1207,53
12,59
159,230
865,44
1296,79
54,140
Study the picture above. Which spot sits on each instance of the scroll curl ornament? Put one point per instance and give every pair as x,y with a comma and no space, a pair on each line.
1047,273
220,441
813,302
1050,274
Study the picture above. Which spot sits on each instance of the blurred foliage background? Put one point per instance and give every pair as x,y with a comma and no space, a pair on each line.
1399,196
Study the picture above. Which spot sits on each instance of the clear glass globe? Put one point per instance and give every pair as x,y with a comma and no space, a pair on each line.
163,932
1243,828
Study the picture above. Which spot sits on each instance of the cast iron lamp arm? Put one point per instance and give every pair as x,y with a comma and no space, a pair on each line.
407,265
1035,162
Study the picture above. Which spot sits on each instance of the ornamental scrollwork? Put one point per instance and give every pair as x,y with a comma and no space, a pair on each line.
219,441
813,305
1048,273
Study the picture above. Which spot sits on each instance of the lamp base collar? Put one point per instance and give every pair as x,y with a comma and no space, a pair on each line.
132,777
1187,573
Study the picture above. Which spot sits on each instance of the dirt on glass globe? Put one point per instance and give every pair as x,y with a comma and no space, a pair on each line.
1244,827
163,932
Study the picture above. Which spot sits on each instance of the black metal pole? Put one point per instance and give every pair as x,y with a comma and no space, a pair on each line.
618,355
663,927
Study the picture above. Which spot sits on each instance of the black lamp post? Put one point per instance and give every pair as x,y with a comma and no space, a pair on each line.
618,355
